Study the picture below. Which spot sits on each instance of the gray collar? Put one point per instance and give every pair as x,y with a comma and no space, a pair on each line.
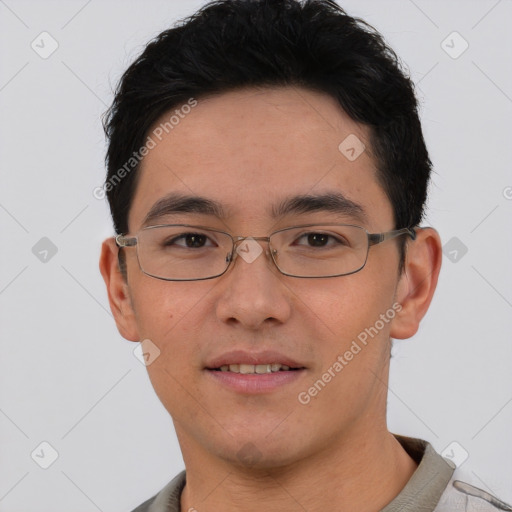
428,482
421,493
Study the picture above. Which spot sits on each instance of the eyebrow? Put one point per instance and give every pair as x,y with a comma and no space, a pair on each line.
181,203
332,202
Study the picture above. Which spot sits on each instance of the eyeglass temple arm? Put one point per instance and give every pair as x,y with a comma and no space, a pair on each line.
377,238
123,241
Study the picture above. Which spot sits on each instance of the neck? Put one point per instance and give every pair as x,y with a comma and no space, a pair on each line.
360,472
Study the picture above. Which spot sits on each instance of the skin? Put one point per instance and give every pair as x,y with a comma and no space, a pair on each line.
248,149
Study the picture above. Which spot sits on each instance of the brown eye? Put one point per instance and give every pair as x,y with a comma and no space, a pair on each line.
321,240
190,240
317,239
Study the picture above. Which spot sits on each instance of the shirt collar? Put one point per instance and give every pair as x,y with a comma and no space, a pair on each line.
421,493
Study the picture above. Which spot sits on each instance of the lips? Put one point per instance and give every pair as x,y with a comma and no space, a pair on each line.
253,362
247,369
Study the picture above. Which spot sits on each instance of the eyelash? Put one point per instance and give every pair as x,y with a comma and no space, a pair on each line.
183,236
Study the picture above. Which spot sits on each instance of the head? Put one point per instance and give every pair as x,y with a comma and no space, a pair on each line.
249,104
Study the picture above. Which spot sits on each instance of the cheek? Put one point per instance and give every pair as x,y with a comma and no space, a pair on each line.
164,308
343,307
172,316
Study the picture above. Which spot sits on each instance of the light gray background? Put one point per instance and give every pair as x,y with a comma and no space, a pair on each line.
66,375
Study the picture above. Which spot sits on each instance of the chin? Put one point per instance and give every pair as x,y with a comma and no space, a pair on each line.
257,452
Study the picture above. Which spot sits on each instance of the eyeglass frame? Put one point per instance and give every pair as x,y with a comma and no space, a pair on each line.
123,241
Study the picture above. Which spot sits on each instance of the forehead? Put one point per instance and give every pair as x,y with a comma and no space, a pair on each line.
252,149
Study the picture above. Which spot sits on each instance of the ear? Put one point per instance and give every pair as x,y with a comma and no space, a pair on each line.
418,282
118,291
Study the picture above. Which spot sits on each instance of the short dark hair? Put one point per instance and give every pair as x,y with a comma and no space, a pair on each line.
233,44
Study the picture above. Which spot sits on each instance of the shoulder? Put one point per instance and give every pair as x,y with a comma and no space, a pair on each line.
438,485
464,495
168,499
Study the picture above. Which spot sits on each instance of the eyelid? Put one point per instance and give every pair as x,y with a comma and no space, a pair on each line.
330,234
179,238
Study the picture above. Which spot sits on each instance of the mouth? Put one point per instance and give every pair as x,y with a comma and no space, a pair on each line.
248,372
256,369
254,374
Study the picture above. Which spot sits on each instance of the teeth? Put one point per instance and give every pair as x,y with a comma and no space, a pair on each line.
254,368
246,368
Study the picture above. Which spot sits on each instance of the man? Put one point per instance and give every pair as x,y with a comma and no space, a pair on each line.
267,176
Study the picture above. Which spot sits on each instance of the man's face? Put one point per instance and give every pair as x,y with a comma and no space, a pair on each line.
250,150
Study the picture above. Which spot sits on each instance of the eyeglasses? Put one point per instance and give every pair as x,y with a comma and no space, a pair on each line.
182,252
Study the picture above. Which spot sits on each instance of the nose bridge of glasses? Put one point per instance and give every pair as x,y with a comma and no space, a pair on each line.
237,240
242,238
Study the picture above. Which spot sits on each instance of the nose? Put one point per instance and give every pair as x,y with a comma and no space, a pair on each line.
252,292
